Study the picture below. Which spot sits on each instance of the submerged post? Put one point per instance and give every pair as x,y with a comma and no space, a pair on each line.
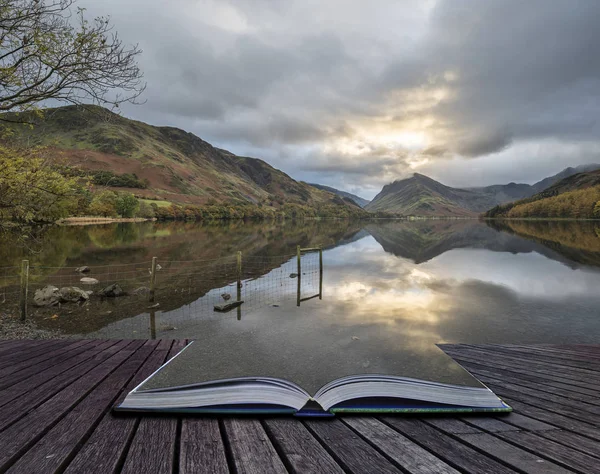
24,288
152,324
320,272
299,258
152,280
239,284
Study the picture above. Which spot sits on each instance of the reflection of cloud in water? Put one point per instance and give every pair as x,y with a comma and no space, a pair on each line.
461,295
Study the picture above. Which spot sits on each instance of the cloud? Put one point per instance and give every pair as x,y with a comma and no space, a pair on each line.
361,95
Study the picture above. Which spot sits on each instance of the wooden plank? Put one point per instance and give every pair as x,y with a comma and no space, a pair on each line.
519,360
545,350
555,418
299,448
251,449
156,456
52,451
110,440
31,399
530,363
13,347
349,450
502,451
568,457
573,440
545,380
202,448
511,455
30,384
19,372
564,405
452,425
154,431
25,432
527,386
527,423
408,455
33,356
493,425
555,357
451,450
554,375
27,348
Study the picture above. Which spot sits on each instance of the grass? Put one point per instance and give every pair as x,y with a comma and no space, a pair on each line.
158,203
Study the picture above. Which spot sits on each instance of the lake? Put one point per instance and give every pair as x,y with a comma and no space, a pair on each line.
400,283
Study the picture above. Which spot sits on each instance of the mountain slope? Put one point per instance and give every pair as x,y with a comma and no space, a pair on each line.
357,199
577,196
547,182
174,165
424,196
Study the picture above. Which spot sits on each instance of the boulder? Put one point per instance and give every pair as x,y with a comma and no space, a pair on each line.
141,291
72,294
47,296
112,291
89,281
83,269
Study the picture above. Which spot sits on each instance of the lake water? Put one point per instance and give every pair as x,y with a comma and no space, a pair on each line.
400,283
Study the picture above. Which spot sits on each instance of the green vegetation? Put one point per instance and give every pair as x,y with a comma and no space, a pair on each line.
125,180
574,197
172,162
51,51
30,191
577,204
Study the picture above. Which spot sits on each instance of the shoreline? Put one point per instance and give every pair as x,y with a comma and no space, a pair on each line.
12,328
99,220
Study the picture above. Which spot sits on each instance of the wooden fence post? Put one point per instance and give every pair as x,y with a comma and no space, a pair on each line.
24,288
239,284
320,272
299,258
152,280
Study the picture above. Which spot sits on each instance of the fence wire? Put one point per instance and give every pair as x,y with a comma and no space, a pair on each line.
121,301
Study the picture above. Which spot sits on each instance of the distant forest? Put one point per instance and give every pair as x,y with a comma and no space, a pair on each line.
578,204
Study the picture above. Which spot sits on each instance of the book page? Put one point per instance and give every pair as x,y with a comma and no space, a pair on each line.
307,349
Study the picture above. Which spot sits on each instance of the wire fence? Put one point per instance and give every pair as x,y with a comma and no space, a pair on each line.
86,299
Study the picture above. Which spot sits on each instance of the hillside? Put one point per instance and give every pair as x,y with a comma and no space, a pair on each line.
343,194
577,196
570,171
423,196
163,163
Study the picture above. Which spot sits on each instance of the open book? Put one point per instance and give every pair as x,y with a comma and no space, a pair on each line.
184,384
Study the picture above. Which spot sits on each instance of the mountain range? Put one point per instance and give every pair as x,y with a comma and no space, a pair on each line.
162,163
423,196
173,166
357,199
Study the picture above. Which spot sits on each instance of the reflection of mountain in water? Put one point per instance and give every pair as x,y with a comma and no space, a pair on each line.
195,250
571,243
575,241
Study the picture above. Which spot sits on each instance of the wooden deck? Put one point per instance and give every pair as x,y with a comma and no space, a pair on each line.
56,398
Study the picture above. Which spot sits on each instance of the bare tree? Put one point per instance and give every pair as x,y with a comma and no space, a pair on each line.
49,50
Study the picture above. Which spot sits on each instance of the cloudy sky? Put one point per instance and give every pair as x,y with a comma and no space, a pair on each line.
355,94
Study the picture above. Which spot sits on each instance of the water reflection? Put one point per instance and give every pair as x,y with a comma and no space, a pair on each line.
400,283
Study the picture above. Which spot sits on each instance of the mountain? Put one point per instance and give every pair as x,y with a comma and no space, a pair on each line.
423,196
420,241
547,182
577,196
357,199
163,163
